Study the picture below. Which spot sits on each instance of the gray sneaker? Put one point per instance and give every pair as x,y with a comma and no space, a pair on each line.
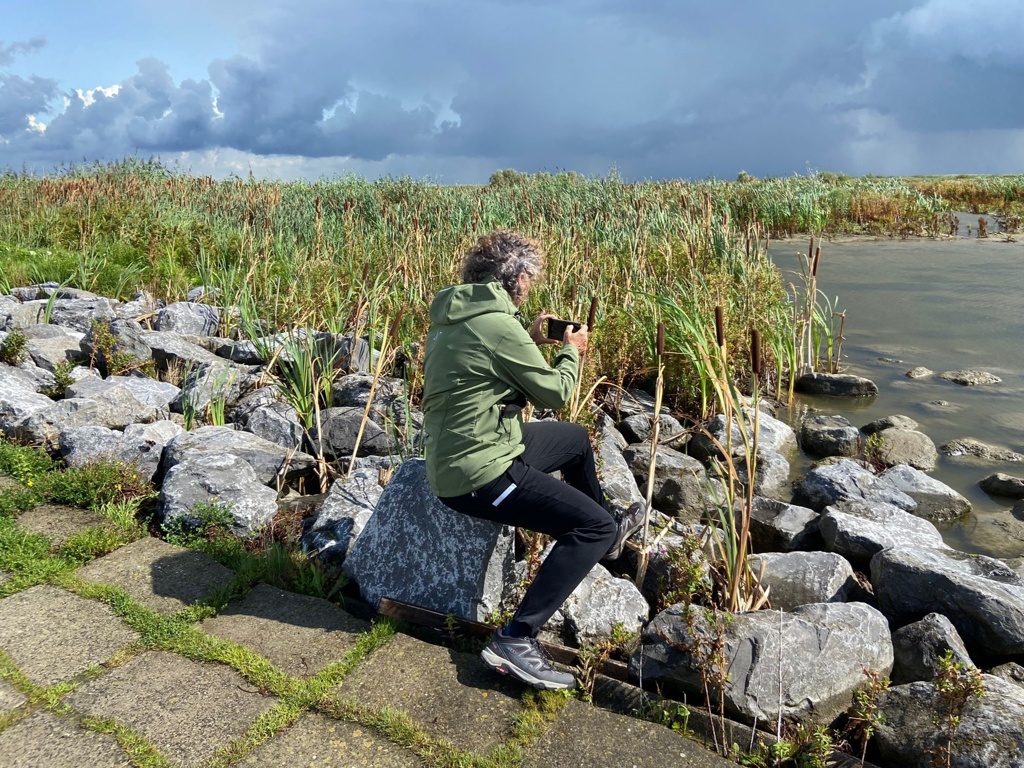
628,521
525,659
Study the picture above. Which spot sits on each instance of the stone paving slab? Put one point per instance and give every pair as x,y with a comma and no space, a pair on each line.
161,576
56,742
6,481
584,736
448,694
315,740
59,522
298,633
53,635
9,699
186,709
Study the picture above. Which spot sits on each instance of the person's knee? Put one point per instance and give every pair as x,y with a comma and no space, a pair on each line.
580,438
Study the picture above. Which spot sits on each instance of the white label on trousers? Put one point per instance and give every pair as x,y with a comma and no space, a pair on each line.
504,495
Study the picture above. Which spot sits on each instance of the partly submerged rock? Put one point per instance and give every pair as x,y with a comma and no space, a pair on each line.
836,385
970,378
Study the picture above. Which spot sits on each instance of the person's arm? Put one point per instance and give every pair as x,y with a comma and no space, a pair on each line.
518,361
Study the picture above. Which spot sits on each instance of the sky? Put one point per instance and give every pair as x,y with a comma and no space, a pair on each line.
452,90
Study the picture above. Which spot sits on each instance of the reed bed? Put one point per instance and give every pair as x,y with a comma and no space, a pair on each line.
347,253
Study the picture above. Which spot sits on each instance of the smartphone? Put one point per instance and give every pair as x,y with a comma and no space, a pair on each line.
556,328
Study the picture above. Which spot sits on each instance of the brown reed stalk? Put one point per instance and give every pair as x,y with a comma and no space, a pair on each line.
652,461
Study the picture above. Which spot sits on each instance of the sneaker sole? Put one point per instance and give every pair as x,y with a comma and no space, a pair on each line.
504,667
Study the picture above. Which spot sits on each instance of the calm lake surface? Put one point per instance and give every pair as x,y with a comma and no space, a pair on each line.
945,305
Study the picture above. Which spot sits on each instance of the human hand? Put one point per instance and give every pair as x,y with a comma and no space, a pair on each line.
577,339
537,329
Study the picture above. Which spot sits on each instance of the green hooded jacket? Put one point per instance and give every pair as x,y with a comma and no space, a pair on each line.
477,360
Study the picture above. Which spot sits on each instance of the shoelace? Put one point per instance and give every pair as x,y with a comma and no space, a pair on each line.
542,652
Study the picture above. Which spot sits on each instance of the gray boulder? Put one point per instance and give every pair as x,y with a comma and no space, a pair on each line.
16,314
999,484
829,484
187,317
143,445
81,446
886,422
632,402
982,597
920,372
617,479
968,447
44,426
48,353
348,507
600,602
222,381
771,476
415,549
836,385
18,396
935,501
680,482
918,647
267,459
804,664
142,305
776,526
772,435
800,578
339,429
857,530
990,733
277,422
80,314
170,349
637,429
1011,672
970,378
905,446
822,436
120,396
223,480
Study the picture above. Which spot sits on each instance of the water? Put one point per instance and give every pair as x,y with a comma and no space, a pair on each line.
945,305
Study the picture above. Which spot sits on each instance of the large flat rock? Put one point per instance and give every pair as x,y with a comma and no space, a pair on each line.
161,576
448,694
298,633
186,709
57,742
315,740
53,635
59,522
587,737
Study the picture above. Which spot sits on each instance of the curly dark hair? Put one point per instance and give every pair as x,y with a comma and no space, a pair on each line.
504,256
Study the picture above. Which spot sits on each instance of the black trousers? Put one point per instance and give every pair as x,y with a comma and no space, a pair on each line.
572,511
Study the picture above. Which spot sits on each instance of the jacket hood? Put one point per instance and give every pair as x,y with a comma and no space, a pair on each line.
458,303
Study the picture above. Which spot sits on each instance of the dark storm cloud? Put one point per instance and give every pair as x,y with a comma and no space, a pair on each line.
658,89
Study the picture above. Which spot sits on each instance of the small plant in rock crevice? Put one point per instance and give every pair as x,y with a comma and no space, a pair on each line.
106,358
13,349
592,657
864,717
957,684
62,379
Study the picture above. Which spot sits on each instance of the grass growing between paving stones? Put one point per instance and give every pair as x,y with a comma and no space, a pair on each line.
142,751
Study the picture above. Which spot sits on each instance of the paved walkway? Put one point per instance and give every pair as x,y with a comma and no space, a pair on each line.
119,663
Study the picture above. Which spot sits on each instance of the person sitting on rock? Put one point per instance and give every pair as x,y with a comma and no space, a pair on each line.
481,367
